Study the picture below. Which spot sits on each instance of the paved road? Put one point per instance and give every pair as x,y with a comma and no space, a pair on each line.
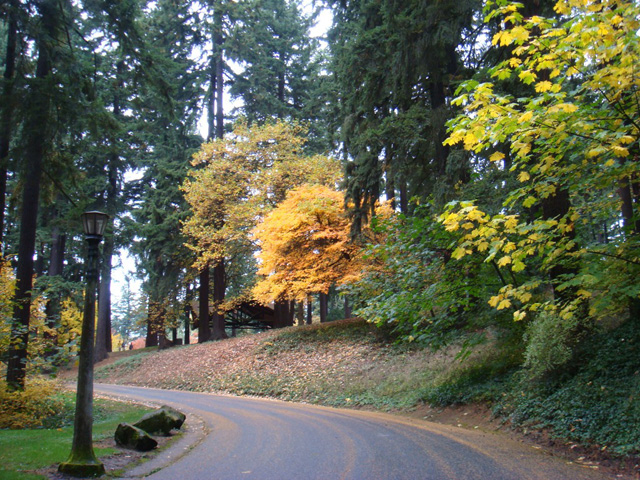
247,438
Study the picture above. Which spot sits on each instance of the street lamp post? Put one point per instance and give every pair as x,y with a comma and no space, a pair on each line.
82,461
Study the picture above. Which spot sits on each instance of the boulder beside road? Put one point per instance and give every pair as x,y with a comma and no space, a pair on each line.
129,436
161,421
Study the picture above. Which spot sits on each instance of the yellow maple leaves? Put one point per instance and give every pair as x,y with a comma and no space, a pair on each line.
598,42
509,243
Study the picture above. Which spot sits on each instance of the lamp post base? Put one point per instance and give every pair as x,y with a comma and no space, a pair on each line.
82,469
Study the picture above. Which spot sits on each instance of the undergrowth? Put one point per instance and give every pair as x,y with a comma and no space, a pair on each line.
598,405
42,404
483,377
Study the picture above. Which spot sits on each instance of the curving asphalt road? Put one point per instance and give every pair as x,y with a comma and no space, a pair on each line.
246,438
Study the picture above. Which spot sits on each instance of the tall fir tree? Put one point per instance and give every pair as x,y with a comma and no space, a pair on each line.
396,65
168,116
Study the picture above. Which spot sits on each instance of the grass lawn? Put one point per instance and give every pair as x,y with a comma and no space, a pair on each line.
23,451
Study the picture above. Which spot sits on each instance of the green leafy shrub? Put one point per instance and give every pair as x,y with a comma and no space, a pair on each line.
412,285
41,404
551,342
599,405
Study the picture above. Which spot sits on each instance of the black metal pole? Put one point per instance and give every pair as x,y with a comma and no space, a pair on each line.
83,462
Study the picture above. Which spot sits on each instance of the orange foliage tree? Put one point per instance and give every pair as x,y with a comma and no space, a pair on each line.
305,246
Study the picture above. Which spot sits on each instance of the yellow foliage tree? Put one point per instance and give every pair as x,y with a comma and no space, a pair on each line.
70,327
574,136
239,179
7,287
305,245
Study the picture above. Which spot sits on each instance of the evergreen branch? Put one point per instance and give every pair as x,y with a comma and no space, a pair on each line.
59,186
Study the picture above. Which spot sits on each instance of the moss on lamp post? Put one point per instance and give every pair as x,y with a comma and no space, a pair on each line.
82,461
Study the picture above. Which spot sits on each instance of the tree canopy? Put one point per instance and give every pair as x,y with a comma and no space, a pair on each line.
501,138
237,181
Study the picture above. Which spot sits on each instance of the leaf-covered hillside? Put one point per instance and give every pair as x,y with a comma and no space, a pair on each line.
349,363
342,363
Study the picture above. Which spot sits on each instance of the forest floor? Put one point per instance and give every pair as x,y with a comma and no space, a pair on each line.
343,364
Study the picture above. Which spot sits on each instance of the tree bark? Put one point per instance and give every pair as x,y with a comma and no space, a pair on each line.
204,329
324,307
628,191
7,106
281,313
309,310
626,200
300,313
437,97
219,289
152,321
218,40
556,207
35,128
103,330
216,129
404,197
53,307
390,184
187,316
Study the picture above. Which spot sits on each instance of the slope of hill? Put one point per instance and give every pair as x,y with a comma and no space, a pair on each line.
351,364
342,363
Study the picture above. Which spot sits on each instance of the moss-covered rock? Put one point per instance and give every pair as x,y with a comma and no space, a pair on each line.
181,417
160,421
129,436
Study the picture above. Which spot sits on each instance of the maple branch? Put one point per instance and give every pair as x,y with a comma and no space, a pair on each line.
617,257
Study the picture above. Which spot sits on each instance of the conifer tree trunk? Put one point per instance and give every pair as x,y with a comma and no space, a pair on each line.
152,330
187,315
628,191
555,207
292,313
35,129
347,307
390,184
280,312
300,313
404,197
204,331
103,330
219,288
53,307
219,271
218,40
6,109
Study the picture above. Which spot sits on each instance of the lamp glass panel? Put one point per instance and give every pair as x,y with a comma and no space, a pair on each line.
94,223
